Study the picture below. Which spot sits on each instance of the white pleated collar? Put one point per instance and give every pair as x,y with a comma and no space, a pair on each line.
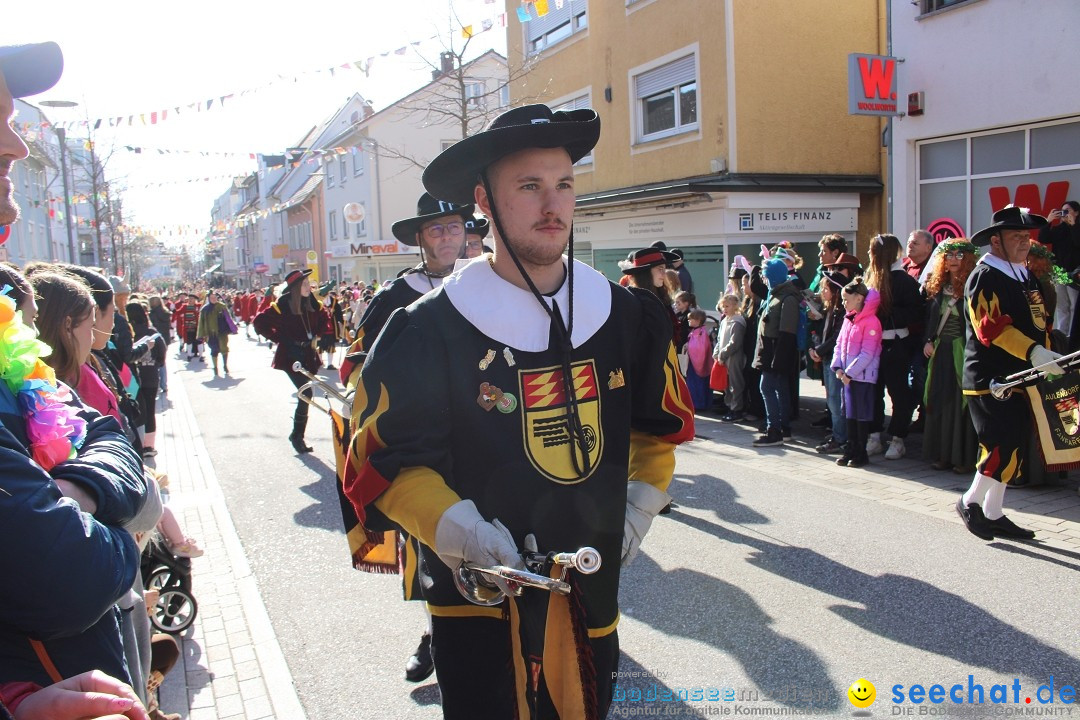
512,316
1013,270
422,283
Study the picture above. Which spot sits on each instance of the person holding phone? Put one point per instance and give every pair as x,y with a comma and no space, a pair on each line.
1063,237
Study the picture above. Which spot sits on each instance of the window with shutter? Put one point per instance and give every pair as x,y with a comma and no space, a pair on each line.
559,24
667,99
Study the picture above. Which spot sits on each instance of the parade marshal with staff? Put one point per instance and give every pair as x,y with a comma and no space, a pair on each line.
528,401
1009,334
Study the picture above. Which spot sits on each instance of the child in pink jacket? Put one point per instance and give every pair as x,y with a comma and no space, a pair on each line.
855,362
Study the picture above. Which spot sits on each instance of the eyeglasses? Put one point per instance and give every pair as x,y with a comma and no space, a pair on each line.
437,231
954,256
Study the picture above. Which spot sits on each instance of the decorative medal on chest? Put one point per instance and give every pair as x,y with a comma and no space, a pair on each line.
486,361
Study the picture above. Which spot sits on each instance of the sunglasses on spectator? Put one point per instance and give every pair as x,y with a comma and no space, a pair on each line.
954,256
437,231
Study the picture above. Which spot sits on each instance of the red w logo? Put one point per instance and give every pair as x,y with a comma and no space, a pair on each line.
877,77
1028,196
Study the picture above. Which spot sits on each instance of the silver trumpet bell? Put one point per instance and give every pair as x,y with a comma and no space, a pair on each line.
488,586
1002,389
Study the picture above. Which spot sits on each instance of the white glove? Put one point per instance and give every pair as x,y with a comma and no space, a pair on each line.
643,502
1040,356
463,535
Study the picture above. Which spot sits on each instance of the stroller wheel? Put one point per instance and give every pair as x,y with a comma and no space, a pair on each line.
175,611
164,578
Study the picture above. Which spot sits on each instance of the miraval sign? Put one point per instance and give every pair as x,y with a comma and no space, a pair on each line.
872,85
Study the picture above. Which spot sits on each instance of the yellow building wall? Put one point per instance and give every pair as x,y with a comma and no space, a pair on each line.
602,57
790,88
791,80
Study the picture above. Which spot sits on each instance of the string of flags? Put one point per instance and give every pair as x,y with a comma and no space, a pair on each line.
156,117
540,7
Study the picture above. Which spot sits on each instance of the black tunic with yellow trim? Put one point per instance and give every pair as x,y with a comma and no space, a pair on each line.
461,397
1008,318
396,294
399,293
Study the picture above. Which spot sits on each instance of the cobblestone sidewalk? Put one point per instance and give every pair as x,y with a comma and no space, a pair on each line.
232,666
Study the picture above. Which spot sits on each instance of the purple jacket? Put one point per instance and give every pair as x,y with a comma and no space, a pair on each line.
858,347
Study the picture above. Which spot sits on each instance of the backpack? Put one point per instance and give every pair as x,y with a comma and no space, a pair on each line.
699,348
802,335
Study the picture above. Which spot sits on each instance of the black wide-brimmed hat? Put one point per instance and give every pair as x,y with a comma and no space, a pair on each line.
453,174
477,226
645,259
296,276
428,208
1008,218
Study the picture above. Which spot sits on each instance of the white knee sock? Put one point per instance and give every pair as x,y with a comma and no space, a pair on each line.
992,505
979,486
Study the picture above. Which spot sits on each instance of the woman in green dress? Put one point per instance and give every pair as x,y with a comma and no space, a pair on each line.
949,439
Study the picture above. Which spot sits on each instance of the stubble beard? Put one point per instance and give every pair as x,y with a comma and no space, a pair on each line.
539,254
9,209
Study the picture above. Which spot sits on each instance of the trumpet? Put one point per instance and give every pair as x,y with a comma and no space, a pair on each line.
328,389
1002,389
488,585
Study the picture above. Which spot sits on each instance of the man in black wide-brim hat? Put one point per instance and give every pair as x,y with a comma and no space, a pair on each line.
506,410
438,229
1009,334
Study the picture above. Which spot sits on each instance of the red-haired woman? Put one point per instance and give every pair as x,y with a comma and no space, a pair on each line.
949,439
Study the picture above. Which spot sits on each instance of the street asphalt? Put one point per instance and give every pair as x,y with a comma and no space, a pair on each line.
761,586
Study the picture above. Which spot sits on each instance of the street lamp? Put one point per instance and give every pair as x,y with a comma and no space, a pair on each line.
61,135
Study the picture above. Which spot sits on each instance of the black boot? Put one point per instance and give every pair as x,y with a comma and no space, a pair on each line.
849,447
420,665
297,437
862,434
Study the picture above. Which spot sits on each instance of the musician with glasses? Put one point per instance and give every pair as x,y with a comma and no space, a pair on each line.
439,230
1009,334
527,402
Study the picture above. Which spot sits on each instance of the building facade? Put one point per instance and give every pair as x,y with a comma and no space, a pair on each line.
1001,127
724,124
386,153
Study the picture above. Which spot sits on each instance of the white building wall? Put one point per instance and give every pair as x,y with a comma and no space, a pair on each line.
983,65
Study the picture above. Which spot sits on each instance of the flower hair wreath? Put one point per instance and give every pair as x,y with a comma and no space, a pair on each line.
53,427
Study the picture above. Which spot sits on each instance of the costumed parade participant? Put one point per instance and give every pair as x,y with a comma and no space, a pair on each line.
949,439
215,325
1009,334
544,389
294,321
476,230
439,229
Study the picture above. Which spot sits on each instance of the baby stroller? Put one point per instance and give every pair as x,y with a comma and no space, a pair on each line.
170,575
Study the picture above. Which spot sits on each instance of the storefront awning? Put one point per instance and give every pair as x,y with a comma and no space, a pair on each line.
727,183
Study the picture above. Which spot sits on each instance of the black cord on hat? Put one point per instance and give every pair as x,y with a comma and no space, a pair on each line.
578,441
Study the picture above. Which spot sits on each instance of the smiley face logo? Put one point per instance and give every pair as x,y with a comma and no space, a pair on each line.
862,693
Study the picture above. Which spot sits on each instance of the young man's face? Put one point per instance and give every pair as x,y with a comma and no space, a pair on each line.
12,148
534,196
